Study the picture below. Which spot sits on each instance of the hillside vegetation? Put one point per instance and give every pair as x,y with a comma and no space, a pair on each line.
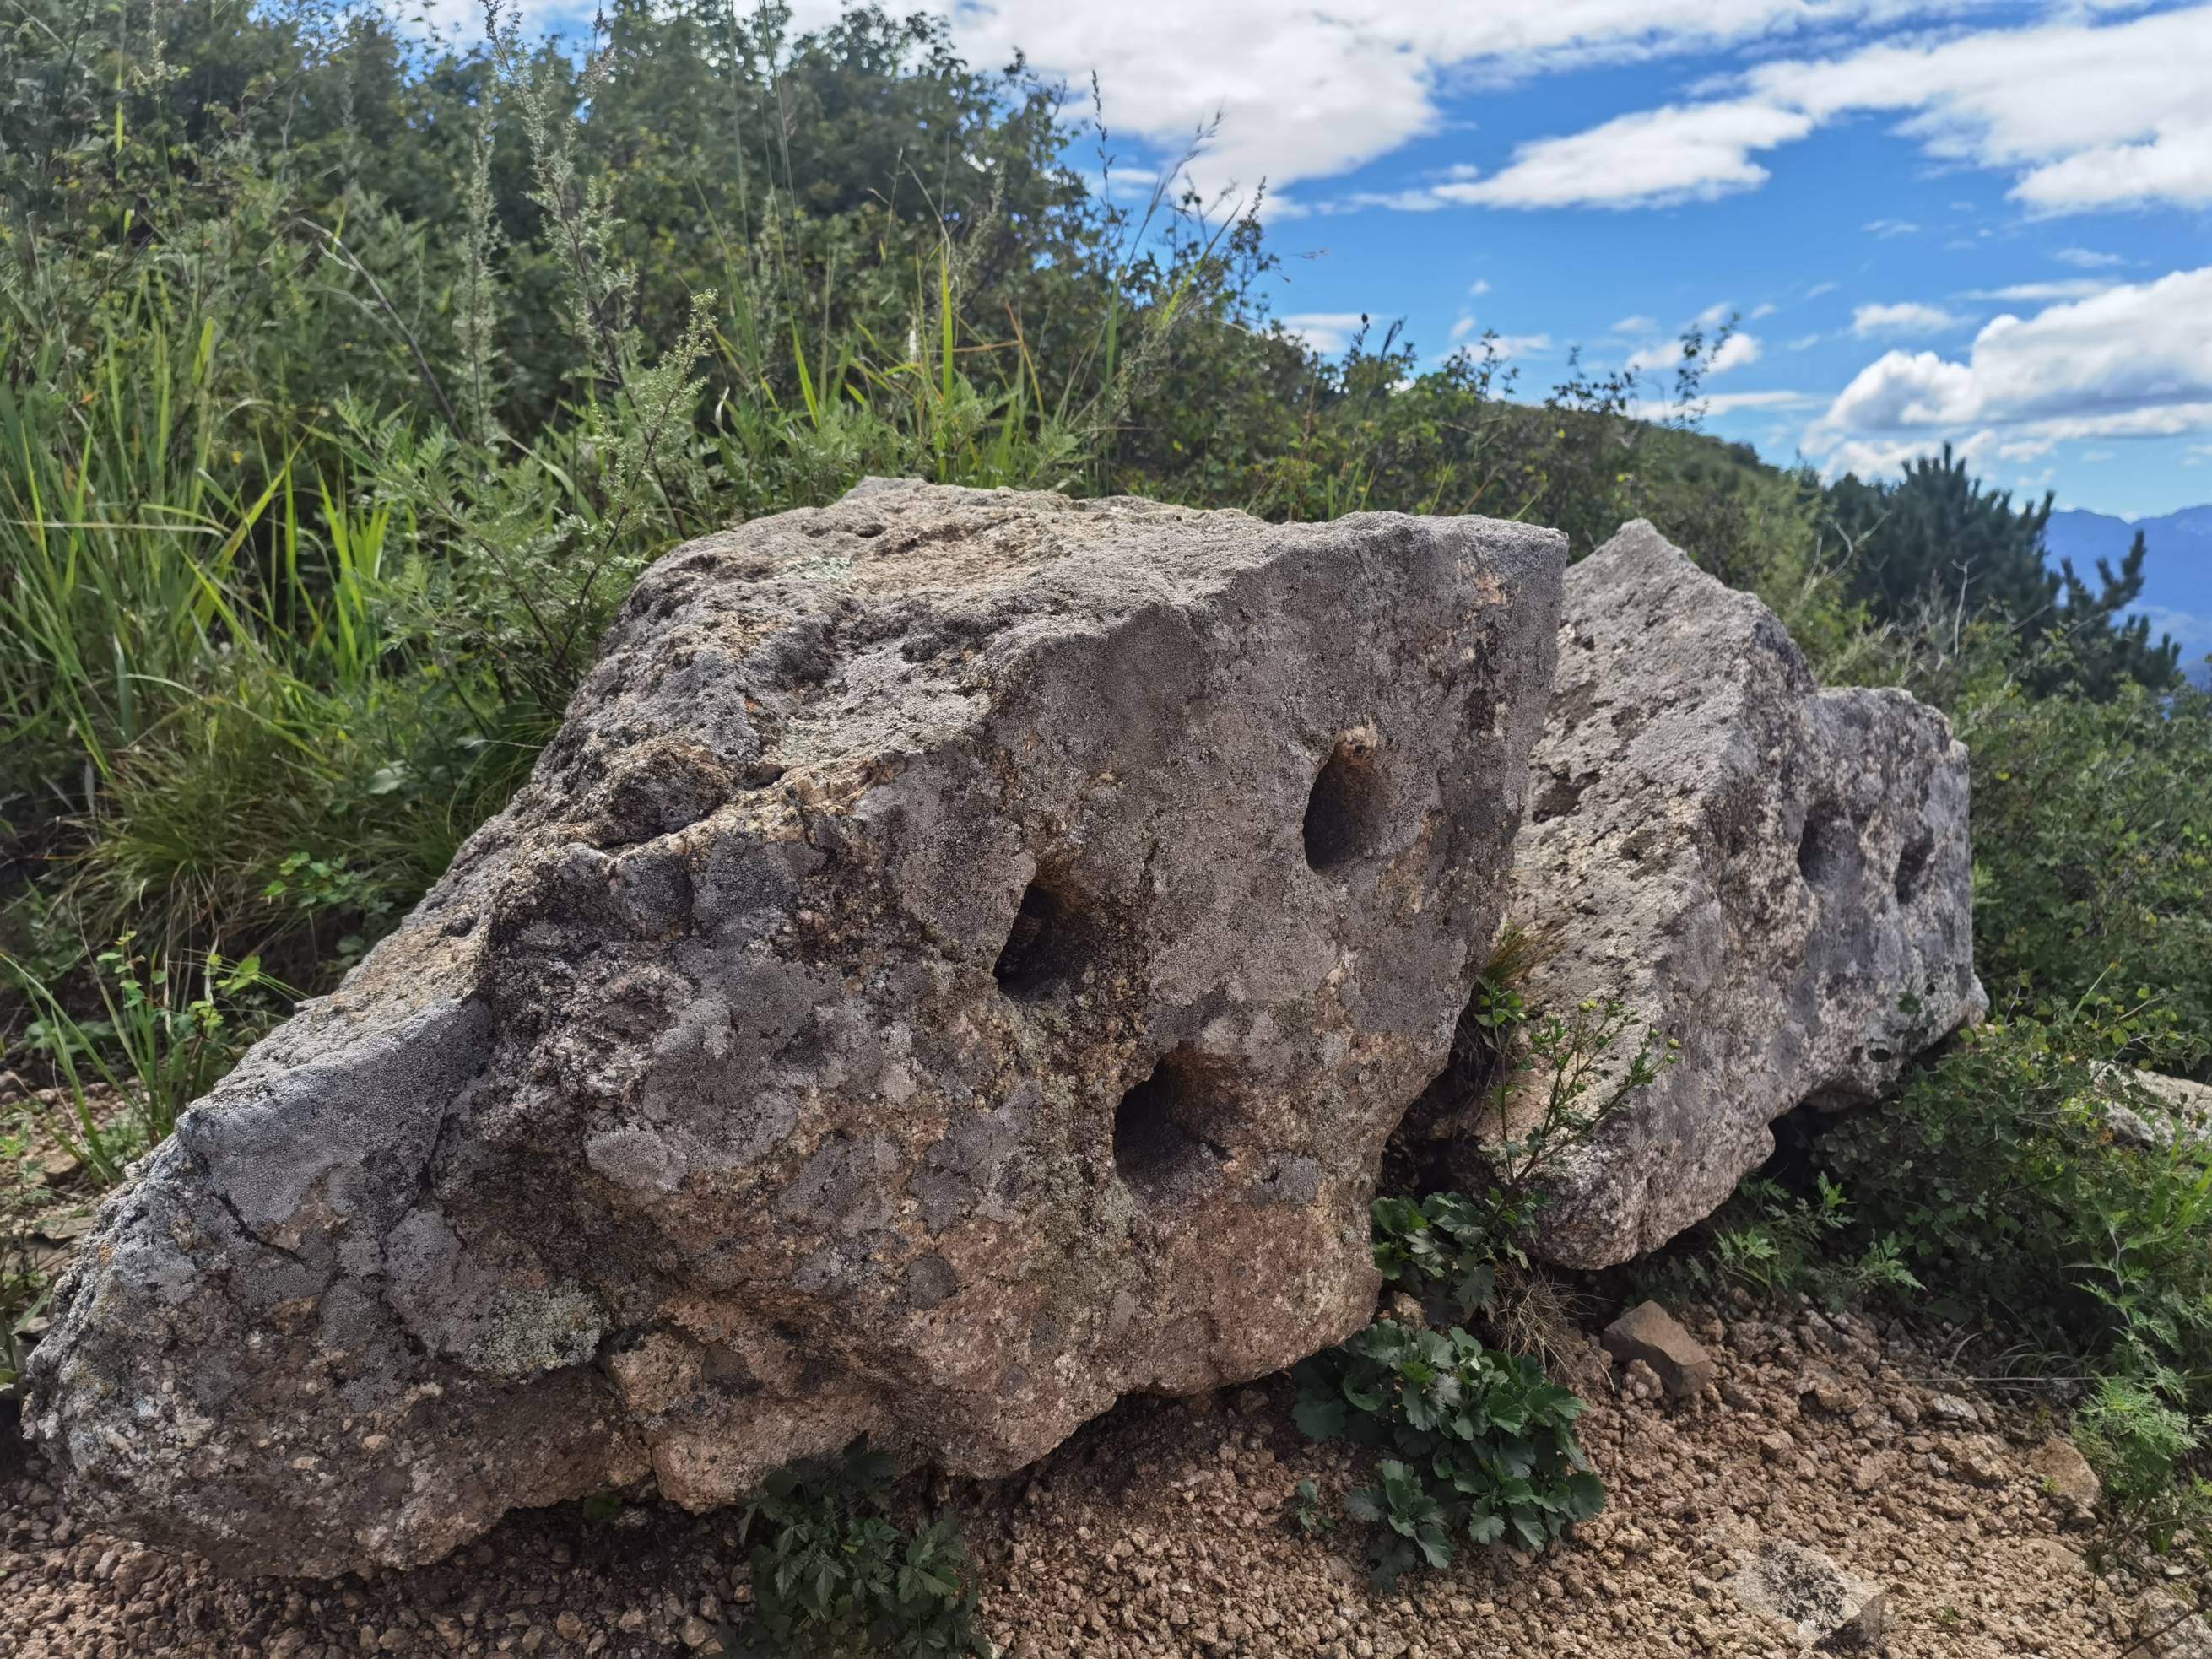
350,380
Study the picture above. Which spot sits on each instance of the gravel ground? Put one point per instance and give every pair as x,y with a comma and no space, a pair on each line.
1158,1530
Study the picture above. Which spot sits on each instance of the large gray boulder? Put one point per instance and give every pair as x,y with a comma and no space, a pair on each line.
1775,876
958,962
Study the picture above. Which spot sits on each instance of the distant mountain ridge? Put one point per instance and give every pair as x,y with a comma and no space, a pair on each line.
2176,593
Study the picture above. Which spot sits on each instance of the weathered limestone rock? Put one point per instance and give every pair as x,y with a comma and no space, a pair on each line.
2171,1107
958,962
1776,876
1649,1333
1803,1592
2065,1474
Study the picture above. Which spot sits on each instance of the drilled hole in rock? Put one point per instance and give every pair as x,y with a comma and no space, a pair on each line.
1049,945
1161,1146
1344,813
1912,867
1822,849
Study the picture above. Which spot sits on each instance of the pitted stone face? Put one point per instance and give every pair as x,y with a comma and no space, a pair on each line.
1776,876
958,962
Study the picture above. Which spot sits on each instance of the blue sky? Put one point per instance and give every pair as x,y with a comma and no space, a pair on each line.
1989,223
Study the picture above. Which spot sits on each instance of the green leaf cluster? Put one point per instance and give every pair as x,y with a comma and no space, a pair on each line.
1776,1246
833,1574
1482,1444
1446,1246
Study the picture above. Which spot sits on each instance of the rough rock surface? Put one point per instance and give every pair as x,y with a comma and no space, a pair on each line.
1649,1333
1804,1591
2066,1475
2170,1107
1777,876
956,943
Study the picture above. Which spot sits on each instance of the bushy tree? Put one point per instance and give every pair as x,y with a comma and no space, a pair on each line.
1936,548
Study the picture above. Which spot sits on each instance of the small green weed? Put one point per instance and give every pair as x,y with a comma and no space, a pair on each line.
1774,1246
1483,1443
170,1030
1305,1511
2137,1434
833,1574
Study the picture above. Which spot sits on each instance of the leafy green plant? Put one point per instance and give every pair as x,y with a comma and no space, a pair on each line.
2005,1178
2138,1438
1447,1247
1566,1076
1305,1511
1776,1246
1482,1443
23,1288
167,1035
833,1574
1525,1087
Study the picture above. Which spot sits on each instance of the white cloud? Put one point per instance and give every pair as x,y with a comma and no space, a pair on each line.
1819,288
2069,288
1667,355
1906,317
1735,351
2135,360
1522,346
1310,91
1767,308
2084,114
1724,403
1887,228
1464,326
2082,258
1805,342
2085,109
1482,286
1652,158
1327,331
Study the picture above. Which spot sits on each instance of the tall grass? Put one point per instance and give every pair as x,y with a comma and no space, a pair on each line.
346,391
263,664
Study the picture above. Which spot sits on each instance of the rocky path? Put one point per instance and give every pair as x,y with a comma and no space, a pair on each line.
1824,1463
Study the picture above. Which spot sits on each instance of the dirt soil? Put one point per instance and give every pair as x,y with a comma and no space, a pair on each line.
1160,1530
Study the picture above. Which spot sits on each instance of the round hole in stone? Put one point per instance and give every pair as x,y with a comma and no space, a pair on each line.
1049,945
1160,1146
1912,866
1821,848
1345,811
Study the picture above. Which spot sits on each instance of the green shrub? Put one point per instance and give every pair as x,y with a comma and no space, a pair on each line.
2092,848
833,1574
1482,1444
1304,1511
2138,1439
2007,1186
1776,1246
1447,1247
